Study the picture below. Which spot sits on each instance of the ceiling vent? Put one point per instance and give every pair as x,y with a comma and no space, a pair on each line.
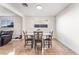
25,4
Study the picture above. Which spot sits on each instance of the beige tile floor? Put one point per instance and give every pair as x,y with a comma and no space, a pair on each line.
17,47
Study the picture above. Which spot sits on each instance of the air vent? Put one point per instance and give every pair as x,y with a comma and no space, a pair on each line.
25,4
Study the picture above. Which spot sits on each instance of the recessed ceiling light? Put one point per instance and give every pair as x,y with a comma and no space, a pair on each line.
39,7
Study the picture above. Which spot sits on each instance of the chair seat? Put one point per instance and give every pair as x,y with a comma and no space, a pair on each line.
38,40
29,39
47,39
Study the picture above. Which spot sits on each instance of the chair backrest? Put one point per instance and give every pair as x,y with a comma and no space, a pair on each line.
24,34
38,35
51,34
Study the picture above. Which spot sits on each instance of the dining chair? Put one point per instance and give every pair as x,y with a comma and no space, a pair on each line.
48,40
28,39
38,40
24,37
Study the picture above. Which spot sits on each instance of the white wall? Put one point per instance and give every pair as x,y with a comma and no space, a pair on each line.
67,27
28,23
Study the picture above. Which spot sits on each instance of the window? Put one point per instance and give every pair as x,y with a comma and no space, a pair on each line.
6,23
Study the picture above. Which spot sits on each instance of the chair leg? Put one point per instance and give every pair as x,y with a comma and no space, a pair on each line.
31,44
48,45
51,44
25,44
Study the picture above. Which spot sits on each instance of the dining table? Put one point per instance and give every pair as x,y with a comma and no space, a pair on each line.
44,34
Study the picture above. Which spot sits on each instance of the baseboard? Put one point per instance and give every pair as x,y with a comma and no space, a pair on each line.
76,53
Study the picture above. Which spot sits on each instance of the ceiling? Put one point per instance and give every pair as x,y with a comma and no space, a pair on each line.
49,9
6,12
